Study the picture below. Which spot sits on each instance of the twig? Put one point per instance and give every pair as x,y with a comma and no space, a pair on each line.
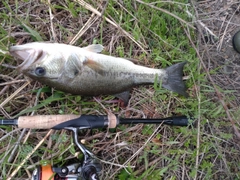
22,134
206,28
86,26
8,134
3,52
139,150
51,22
29,155
224,33
17,34
101,17
119,165
4,89
13,152
14,94
201,23
219,94
95,11
167,12
199,113
12,82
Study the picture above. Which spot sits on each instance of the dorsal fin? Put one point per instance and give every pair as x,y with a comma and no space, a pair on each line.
97,48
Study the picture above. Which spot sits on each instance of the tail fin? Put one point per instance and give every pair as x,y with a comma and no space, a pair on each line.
174,80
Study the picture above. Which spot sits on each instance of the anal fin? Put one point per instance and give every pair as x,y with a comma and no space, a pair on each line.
124,96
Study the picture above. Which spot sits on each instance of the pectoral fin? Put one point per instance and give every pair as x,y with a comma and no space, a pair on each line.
97,67
72,67
97,48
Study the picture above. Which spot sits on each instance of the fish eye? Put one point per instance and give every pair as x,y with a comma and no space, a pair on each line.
40,71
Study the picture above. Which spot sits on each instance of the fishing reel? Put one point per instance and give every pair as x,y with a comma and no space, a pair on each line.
75,171
89,169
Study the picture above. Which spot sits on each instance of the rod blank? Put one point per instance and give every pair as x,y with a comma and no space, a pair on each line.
9,122
174,121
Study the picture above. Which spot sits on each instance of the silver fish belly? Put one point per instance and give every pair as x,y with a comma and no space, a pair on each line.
84,71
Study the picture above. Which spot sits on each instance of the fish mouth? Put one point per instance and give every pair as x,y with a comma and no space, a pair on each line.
28,55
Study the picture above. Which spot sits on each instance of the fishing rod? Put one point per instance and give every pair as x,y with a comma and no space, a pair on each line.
87,121
91,167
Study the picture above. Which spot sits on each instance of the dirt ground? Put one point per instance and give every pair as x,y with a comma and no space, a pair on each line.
219,21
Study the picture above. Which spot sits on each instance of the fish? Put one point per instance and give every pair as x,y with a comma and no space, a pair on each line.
85,71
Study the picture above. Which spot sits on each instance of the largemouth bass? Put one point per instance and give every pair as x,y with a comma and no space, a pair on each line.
84,71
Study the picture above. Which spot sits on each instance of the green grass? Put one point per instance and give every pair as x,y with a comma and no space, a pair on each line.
205,151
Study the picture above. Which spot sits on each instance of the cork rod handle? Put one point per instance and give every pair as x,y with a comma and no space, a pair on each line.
44,121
